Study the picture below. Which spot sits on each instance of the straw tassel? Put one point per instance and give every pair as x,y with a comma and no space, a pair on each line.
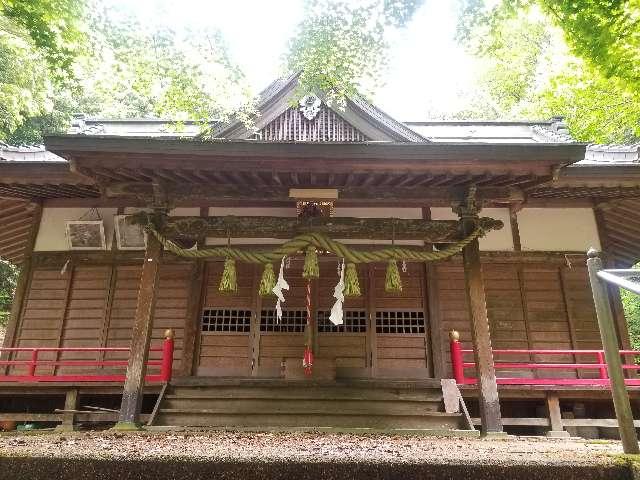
392,282
228,282
351,283
311,268
268,281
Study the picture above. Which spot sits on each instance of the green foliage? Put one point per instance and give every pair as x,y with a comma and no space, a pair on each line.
596,109
25,89
631,303
156,73
340,46
125,71
8,279
605,33
53,26
529,71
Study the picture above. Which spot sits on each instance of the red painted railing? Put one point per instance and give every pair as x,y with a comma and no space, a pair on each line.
459,366
35,364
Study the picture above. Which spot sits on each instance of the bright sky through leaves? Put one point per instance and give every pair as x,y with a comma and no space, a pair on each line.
427,71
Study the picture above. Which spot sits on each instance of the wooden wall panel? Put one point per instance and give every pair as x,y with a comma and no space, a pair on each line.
275,347
581,315
400,354
226,353
42,315
85,315
171,307
536,306
453,308
506,314
328,280
123,309
348,349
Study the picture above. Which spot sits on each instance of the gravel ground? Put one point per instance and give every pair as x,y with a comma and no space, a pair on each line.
310,447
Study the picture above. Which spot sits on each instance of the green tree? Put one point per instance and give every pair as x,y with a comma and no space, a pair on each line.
39,42
631,303
340,45
604,33
129,72
529,71
53,26
8,280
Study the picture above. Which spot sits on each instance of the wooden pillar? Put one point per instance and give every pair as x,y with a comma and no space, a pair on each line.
555,417
69,417
141,338
612,355
433,328
372,336
193,320
488,389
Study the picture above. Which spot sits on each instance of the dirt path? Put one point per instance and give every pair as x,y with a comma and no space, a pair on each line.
243,446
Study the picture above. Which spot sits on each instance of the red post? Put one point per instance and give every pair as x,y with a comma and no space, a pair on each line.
456,356
603,368
167,356
34,362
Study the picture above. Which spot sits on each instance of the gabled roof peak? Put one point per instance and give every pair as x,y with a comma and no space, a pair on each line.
281,117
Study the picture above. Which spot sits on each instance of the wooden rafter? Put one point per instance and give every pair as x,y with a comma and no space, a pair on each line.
201,194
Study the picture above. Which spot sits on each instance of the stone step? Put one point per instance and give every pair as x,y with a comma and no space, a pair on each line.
311,393
316,406
436,420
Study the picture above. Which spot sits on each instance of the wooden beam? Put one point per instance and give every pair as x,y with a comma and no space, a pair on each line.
141,337
434,231
197,286
433,342
515,229
199,193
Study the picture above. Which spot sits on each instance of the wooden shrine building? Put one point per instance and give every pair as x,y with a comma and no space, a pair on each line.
464,234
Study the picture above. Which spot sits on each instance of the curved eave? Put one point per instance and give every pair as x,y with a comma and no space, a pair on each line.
41,180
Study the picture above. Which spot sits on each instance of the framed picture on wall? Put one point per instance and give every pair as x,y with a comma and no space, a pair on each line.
129,236
85,235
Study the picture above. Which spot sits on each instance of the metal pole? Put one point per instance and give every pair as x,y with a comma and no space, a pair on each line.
612,355
620,282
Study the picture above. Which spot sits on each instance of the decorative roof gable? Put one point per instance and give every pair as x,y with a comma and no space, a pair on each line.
321,125
309,119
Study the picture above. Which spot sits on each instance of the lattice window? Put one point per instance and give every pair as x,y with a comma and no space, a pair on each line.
355,321
293,321
226,320
400,321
